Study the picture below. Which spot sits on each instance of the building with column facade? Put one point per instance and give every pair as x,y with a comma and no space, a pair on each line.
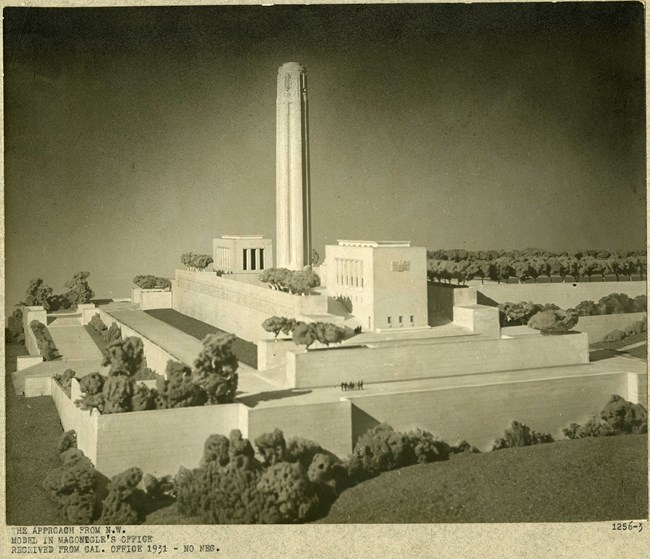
242,253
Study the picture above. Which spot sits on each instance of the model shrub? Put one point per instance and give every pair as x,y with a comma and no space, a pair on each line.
593,427
66,441
232,487
144,398
145,373
298,282
195,262
178,390
44,341
427,447
215,369
553,321
301,450
615,335
15,333
92,384
38,294
79,292
304,334
274,324
98,324
125,356
65,380
152,282
118,391
637,327
123,504
112,334
518,434
72,486
379,450
287,494
272,447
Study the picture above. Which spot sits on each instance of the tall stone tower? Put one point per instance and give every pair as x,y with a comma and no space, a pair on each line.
293,212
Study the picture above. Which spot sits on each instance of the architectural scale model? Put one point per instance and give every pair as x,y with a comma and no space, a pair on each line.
429,356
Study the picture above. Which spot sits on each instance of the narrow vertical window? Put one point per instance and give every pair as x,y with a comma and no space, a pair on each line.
253,262
261,259
245,263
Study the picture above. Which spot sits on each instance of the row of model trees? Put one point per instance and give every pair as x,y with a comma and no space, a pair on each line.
305,333
462,266
40,294
292,281
196,262
213,380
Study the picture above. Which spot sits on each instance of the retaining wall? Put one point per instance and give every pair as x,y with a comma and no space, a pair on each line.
329,424
405,362
151,298
597,326
156,441
480,413
272,353
565,295
237,306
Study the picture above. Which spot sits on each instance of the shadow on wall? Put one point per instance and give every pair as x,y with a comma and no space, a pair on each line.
254,399
482,299
440,303
361,422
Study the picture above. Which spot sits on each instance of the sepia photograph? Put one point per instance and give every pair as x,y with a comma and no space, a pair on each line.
335,266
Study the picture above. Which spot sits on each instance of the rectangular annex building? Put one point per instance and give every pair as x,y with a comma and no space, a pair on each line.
382,283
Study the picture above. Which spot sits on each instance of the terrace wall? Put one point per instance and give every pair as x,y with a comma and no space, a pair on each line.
157,441
480,413
565,295
405,362
236,306
329,424
151,298
597,326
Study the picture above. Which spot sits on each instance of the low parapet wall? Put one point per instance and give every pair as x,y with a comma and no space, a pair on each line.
330,367
148,299
30,314
236,306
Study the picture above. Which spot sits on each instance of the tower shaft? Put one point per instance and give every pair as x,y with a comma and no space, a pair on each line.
293,212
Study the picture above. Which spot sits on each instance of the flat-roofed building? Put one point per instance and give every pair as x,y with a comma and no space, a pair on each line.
242,253
382,283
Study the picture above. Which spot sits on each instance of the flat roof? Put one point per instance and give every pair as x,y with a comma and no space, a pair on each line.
242,236
374,244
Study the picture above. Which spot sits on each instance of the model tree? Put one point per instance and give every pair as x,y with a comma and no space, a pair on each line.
554,321
38,293
79,292
274,324
215,369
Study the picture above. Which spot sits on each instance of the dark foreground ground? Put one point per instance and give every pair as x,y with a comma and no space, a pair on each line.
567,481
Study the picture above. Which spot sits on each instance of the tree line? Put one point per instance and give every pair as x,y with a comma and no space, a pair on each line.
532,264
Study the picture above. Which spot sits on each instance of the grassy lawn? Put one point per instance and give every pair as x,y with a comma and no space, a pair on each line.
246,351
32,429
584,480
